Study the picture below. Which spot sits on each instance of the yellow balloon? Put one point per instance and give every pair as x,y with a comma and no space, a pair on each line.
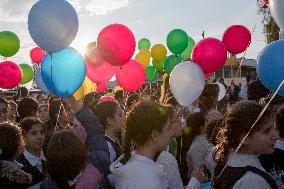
159,52
79,94
143,57
87,87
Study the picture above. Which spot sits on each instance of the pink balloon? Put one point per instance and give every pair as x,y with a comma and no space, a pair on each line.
107,98
116,43
131,76
210,54
37,55
10,75
101,88
94,57
236,39
101,73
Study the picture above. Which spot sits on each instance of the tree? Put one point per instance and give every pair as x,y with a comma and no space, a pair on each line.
270,28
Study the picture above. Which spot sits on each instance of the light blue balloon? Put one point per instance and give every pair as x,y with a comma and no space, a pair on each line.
39,82
206,185
63,72
53,24
270,66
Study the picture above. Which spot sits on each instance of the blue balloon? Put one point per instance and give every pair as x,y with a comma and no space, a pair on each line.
270,66
63,72
39,82
53,24
206,185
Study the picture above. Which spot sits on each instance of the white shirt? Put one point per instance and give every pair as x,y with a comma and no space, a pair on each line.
33,160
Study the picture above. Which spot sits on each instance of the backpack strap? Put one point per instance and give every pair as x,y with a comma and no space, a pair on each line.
264,175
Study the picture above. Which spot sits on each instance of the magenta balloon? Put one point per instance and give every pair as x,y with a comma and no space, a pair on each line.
37,55
10,75
210,54
131,76
236,39
116,43
100,74
101,88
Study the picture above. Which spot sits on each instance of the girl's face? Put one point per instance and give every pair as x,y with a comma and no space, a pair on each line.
117,120
35,137
263,140
163,138
43,113
176,125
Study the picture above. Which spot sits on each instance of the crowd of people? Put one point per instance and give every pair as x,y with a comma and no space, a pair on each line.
142,140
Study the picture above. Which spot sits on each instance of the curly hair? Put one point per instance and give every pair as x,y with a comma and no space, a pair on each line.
208,98
144,118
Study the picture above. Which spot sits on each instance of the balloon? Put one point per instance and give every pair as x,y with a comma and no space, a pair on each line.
265,4
277,12
39,82
52,24
177,41
159,66
170,63
151,73
186,53
210,54
270,67
159,52
102,73
144,44
87,87
27,73
10,75
143,57
208,75
131,76
9,43
101,88
107,98
93,57
79,94
187,82
222,91
236,39
37,55
116,43
63,72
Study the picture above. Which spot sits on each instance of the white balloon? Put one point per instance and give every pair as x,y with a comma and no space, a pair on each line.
222,91
187,82
277,11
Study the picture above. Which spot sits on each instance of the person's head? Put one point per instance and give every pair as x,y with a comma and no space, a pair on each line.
154,98
34,133
212,130
147,125
176,124
60,109
209,97
131,100
110,115
11,141
256,91
4,110
23,92
237,123
27,107
279,121
172,102
195,125
90,99
43,114
66,157
12,110
221,80
118,95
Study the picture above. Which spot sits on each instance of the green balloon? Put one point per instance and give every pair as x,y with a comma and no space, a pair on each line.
177,41
171,62
151,73
188,50
159,66
144,44
27,72
9,43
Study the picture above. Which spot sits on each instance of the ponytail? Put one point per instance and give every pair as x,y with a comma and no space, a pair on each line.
127,150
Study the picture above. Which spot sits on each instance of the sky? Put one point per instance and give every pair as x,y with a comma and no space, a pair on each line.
152,19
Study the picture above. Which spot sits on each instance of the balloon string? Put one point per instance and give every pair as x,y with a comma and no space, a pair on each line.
244,54
57,129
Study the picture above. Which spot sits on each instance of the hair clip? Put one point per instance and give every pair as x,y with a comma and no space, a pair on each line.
162,110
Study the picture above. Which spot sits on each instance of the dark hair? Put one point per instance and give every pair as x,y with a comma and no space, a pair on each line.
23,92
27,107
131,100
256,91
208,97
65,158
279,120
171,110
54,108
212,130
27,123
10,139
237,123
118,94
143,118
105,109
90,99
171,101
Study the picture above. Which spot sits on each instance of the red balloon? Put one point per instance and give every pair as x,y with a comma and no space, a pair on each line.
210,54
10,75
37,55
101,73
236,39
208,75
131,76
116,43
107,98
101,88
